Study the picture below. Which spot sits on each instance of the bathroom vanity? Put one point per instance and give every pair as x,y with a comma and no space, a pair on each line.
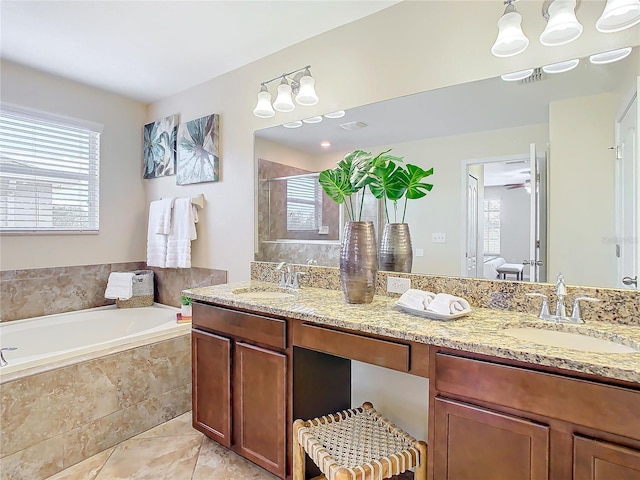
499,407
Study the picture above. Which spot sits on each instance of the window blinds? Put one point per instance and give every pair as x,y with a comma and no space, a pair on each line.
304,203
49,173
492,214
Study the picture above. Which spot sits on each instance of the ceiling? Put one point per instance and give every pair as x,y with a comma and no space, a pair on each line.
148,50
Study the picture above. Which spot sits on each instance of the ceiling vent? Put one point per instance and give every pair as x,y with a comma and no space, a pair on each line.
536,76
353,125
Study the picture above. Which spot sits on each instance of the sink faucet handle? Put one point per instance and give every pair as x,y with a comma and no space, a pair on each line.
544,309
283,275
575,311
296,279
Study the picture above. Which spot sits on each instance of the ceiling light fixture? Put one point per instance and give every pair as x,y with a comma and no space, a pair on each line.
338,114
561,67
296,124
618,15
325,144
563,26
610,56
317,119
515,76
298,82
511,40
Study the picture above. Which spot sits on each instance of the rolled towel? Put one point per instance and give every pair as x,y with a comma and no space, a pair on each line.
416,299
446,304
119,286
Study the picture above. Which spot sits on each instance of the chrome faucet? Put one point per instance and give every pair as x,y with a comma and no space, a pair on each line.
288,278
3,362
561,309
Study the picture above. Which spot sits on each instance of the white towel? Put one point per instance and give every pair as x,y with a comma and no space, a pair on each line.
446,304
119,285
159,211
416,299
183,230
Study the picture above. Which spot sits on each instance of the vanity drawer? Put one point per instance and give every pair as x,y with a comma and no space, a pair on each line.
582,402
246,326
353,346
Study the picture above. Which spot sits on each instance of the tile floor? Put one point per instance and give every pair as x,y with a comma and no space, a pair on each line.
171,451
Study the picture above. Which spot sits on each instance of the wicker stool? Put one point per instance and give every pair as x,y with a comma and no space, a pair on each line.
356,444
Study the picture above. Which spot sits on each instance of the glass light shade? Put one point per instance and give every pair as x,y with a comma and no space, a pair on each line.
263,107
563,26
283,101
561,67
515,76
317,119
294,124
511,40
338,114
610,57
307,93
618,15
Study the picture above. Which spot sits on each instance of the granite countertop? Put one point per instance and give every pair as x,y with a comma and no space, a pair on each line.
480,332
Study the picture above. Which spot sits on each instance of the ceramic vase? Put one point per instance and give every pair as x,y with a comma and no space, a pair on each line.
396,253
185,311
358,262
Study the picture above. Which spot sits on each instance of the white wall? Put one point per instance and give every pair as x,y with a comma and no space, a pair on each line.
123,213
514,222
353,65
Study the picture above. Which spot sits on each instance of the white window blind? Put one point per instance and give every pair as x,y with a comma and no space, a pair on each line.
304,203
492,211
49,173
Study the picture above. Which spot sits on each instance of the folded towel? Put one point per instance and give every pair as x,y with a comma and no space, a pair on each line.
159,212
416,299
183,230
446,304
119,286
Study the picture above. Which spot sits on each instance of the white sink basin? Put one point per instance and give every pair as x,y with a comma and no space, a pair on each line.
572,341
265,295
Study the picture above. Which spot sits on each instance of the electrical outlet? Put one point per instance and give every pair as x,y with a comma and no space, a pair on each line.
398,285
439,238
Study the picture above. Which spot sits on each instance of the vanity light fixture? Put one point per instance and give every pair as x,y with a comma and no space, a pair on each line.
511,40
338,114
298,82
296,124
516,76
316,119
561,67
563,26
619,15
610,56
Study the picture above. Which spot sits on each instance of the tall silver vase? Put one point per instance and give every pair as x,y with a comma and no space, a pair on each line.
358,262
396,253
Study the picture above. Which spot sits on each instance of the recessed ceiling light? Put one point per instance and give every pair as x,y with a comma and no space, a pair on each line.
611,56
515,76
353,125
317,119
338,114
296,124
325,144
561,67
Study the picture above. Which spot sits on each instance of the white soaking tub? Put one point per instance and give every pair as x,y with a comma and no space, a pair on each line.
60,339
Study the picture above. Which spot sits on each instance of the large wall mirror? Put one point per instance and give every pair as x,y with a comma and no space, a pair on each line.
567,140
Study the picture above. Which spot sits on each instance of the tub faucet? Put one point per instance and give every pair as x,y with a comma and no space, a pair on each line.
3,362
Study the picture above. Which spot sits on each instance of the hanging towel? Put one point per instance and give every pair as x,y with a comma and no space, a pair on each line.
446,304
159,222
119,286
183,230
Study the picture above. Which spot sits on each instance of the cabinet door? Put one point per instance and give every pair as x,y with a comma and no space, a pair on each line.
260,429
472,443
596,460
211,383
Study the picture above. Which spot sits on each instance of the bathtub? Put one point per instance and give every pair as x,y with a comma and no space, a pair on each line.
61,339
84,381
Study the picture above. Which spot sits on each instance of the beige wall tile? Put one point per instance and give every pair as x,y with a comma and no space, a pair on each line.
36,462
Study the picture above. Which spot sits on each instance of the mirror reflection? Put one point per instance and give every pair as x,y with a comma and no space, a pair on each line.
540,173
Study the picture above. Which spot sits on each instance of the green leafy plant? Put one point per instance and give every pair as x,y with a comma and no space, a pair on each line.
185,300
350,177
387,177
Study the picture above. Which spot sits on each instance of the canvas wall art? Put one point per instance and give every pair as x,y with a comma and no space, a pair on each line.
159,155
198,157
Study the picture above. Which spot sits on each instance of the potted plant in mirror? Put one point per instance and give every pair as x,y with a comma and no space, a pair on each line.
185,307
391,181
346,184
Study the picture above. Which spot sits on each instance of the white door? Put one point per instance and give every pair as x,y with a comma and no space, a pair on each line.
472,226
626,248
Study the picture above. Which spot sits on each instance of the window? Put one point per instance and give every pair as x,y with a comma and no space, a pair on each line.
492,226
49,173
304,203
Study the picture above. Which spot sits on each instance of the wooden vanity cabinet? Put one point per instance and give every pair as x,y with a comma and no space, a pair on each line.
493,421
239,378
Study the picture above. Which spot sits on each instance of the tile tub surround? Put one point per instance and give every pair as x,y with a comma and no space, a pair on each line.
615,306
45,291
479,332
55,419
